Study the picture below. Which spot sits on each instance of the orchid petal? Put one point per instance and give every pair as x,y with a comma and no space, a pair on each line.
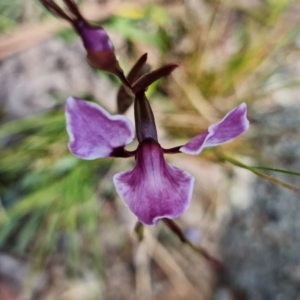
93,131
153,189
231,126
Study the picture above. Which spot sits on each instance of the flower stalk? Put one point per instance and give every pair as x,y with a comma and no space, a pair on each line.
215,263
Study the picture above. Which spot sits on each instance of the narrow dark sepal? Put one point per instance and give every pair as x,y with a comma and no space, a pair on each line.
125,99
147,79
73,8
137,70
56,10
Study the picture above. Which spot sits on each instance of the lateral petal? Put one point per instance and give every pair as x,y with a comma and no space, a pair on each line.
93,132
231,126
153,189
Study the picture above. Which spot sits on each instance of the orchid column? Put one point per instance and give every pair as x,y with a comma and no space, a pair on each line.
152,189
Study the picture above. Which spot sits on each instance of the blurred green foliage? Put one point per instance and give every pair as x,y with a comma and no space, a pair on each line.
48,196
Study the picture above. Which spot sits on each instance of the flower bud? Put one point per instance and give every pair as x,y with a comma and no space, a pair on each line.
94,38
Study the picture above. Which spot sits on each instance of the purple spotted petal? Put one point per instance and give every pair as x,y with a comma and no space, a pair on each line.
153,189
93,131
232,125
94,38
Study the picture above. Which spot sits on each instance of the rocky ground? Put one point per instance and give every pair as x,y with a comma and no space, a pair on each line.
261,242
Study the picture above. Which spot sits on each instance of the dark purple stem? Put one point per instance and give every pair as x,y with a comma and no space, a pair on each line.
216,264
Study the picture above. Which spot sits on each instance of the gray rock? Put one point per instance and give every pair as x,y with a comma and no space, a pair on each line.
261,243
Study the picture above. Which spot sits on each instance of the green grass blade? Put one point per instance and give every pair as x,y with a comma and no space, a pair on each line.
276,170
262,175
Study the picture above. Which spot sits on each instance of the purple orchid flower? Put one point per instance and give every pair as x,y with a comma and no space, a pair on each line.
152,189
